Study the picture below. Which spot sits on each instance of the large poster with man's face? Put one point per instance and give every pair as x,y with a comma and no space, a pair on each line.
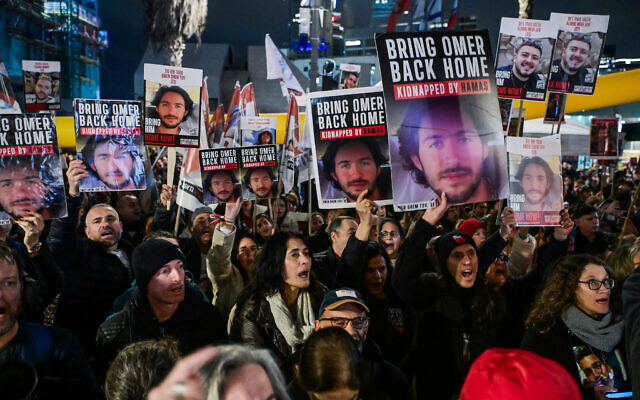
535,180
220,171
30,173
603,372
603,138
259,169
110,142
172,105
524,54
350,142
577,53
41,85
445,130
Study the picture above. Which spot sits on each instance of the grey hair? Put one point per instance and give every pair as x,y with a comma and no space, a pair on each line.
233,357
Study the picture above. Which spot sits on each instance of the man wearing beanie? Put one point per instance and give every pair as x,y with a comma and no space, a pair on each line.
161,305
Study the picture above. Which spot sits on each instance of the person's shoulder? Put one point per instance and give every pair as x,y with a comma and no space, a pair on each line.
506,67
111,328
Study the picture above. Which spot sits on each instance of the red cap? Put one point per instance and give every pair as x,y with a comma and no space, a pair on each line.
470,226
505,374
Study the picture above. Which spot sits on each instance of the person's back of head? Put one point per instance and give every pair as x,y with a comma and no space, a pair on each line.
139,367
505,374
330,362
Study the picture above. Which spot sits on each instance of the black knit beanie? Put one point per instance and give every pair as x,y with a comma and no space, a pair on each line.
448,242
148,257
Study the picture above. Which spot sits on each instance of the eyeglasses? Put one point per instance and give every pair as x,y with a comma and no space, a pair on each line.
595,284
357,322
391,234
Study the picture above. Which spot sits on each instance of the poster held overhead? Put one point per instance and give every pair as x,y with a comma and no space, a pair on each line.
30,171
577,53
554,112
220,171
41,85
350,145
349,76
445,131
603,138
109,141
259,172
172,106
523,59
535,180
258,130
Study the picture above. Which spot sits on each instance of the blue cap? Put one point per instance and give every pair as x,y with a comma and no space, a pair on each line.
338,297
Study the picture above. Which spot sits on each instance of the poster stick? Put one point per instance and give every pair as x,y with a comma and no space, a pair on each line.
171,169
378,219
519,118
309,201
177,224
160,153
253,227
626,219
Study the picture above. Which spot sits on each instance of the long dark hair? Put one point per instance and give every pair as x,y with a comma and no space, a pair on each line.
234,251
374,249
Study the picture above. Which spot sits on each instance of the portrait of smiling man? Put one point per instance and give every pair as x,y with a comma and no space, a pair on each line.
526,60
572,65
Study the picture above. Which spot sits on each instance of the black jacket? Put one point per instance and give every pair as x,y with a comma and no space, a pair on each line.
62,367
335,272
631,306
195,323
320,240
93,277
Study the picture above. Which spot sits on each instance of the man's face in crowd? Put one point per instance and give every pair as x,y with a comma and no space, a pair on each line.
588,224
375,276
355,170
535,184
526,61
222,187
114,164
390,238
171,110
129,208
9,296
450,156
481,209
462,264
43,90
167,284
103,226
21,191
351,81
264,227
574,56
261,183
593,368
201,229
347,311
340,237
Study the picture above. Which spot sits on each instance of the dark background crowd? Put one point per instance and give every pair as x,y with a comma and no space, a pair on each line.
301,303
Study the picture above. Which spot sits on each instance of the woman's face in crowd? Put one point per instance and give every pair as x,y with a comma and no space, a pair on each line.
593,302
375,276
336,394
247,250
479,236
296,270
390,238
248,382
316,222
264,228
281,207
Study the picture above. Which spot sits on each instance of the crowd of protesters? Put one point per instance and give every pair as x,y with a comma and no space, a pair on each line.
130,297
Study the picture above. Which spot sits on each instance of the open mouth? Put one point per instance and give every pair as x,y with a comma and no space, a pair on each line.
467,273
603,300
304,275
3,311
106,234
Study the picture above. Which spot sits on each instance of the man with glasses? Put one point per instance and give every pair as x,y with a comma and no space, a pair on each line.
345,308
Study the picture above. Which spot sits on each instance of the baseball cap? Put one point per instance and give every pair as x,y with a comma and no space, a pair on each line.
338,297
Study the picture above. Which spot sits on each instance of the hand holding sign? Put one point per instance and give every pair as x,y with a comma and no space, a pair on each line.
433,215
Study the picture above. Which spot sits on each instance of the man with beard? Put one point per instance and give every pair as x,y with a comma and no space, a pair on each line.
536,179
61,367
570,69
174,106
161,305
261,182
96,267
444,145
522,73
220,187
114,162
43,89
353,166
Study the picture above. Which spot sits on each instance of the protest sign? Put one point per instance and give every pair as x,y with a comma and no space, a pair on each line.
445,132
259,172
258,130
220,171
109,141
30,171
603,138
523,60
172,105
535,180
577,52
350,144
554,112
349,76
41,85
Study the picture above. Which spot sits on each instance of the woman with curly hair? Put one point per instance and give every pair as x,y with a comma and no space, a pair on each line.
573,324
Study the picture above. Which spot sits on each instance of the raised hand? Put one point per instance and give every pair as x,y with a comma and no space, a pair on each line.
231,210
32,225
508,227
168,195
433,215
563,231
76,172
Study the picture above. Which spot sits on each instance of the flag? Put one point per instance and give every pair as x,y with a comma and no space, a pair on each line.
248,108
277,68
217,127
291,146
8,103
189,194
399,7
204,94
434,12
453,18
231,138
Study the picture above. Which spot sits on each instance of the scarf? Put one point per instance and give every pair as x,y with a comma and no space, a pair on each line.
604,334
294,332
